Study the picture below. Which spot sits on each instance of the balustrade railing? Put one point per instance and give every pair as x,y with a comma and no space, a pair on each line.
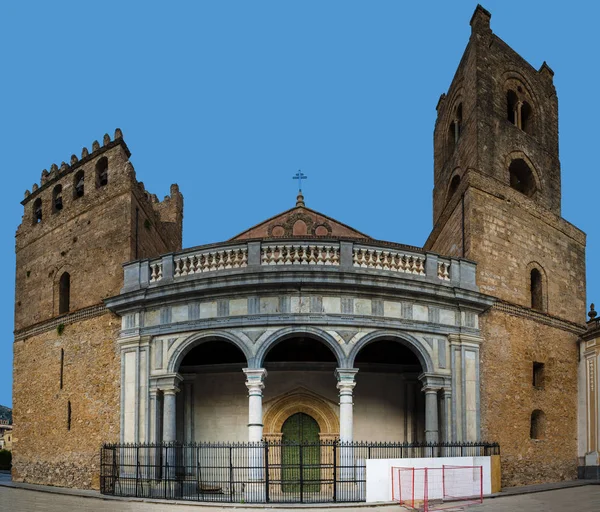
210,261
300,254
268,254
387,259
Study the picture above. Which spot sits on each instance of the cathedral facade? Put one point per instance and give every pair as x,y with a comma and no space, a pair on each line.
302,327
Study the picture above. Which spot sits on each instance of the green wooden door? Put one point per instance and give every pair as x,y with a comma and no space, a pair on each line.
301,454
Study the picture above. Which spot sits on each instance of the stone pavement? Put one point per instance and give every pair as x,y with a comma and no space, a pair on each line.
29,499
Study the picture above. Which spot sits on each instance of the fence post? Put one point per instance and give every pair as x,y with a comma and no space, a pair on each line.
230,473
301,473
137,469
266,471
335,470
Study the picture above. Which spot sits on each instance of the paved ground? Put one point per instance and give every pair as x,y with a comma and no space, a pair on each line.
579,499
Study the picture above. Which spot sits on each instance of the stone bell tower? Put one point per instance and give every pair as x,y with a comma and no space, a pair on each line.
497,201
80,224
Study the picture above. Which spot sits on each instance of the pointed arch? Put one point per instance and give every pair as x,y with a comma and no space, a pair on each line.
304,401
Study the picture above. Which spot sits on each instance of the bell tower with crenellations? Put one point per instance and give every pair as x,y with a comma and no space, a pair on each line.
497,201
80,224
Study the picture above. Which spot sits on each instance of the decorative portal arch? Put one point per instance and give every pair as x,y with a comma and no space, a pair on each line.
176,357
405,339
291,332
300,400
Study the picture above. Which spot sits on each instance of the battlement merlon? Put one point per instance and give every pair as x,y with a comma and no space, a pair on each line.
56,173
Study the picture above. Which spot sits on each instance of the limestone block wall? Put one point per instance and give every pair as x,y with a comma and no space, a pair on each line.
508,234
46,450
508,397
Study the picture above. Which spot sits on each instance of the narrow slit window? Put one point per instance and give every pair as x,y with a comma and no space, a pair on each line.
538,424
79,185
69,415
64,291
536,290
102,172
37,211
62,366
57,201
538,375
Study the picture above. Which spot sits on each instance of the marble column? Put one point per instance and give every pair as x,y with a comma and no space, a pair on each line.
255,385
345,385
154,417
446,418
169,415
188,410
431,415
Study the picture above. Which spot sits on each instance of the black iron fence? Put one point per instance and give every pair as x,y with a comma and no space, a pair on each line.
266,472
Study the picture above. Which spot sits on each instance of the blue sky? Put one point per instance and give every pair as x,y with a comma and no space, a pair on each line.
230,99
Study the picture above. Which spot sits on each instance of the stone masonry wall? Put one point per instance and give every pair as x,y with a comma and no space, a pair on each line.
508,397
90,238
508,235
45,451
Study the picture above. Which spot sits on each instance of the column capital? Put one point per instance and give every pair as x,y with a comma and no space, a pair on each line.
465,339
168,384
345,378
255,378
432,382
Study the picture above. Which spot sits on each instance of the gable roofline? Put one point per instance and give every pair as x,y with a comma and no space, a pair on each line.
300,208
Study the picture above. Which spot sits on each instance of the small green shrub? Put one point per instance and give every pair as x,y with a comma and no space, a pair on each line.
60,328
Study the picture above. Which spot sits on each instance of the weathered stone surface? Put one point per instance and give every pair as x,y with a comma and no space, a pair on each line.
90,238
480,216
45,449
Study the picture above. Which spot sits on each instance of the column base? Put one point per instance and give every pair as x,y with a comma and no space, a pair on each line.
588,472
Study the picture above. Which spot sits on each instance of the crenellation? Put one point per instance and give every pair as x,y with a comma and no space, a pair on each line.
106,139
74,160
84,153
95,146
118,134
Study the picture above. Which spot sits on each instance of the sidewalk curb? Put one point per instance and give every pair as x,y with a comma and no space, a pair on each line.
81,493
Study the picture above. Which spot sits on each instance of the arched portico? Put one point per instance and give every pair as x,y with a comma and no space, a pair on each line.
409,365
406,339
178,353
297,331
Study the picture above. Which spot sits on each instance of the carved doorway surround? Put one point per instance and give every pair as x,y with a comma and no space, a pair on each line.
307,402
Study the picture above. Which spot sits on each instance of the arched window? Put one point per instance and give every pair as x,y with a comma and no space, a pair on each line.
455,129
102,172
511,106
526,117
57,202
454,184
37,210
538,424
64,293
519,111
78,185
521,177
536,290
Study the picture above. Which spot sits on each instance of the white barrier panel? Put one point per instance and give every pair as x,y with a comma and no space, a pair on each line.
379,472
